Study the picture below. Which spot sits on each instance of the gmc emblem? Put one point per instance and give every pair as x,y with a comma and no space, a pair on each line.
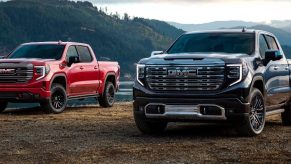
7,71
182,73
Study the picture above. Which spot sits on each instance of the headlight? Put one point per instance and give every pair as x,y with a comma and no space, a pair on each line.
41,71
140,73
236,73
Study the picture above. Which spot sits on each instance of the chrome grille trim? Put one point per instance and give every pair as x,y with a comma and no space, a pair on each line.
207,78
21,75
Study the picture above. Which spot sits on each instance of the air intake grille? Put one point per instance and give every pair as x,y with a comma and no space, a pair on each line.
11,73
185,78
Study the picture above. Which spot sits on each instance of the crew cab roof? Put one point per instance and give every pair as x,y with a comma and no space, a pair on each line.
230,31
56,43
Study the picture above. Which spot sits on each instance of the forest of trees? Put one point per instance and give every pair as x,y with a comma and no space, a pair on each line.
116,37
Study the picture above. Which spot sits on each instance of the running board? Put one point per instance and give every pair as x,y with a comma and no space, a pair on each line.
273,112
82,97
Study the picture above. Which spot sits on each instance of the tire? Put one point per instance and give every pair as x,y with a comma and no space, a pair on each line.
58,100
286,115
3,106
254,122
148,126
108,98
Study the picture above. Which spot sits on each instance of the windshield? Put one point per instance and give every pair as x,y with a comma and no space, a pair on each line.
215,42
41,51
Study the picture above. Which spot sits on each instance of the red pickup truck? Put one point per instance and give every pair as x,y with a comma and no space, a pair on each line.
51,73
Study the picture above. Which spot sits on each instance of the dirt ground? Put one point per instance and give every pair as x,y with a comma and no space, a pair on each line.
98,135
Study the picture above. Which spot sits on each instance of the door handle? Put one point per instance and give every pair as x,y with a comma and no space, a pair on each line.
95,67
276,67
81,67
286,68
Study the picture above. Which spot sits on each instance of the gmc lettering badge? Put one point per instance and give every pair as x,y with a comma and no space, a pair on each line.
182,73
7,71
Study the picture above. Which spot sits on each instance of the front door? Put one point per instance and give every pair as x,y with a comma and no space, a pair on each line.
276,75
75,73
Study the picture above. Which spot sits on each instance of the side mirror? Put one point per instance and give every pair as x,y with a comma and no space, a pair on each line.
273,55
72,60
156,53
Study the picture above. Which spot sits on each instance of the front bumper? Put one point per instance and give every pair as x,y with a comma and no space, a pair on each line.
24,94
230,108
231,103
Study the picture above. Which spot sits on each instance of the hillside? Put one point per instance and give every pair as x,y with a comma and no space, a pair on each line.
287,51
116,37
287,28
280,23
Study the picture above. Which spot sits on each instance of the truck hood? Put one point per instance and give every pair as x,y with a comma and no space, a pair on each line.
193,59
23,60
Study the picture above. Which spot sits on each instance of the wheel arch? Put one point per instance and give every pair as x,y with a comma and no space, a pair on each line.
259,83
59,79
110,76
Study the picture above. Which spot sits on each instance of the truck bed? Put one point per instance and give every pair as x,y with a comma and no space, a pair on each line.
108,66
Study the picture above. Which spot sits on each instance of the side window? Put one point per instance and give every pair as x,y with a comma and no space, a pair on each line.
85,55
263,46
272,42
72,52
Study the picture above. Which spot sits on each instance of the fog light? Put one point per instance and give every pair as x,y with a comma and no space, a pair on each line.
37,96
210,110
155,109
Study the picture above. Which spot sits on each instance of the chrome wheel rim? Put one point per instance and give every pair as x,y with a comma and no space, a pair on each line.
58,100
257,114
110,95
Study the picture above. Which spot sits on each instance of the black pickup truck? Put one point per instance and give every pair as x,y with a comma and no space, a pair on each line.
237,76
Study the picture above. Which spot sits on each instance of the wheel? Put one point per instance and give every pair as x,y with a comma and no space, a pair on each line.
286,115
254,123
58,100
3,106
149,126
108,97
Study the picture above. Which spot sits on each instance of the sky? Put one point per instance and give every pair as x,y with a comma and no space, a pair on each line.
201,11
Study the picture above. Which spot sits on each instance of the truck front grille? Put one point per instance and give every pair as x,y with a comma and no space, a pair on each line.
185,78
11,73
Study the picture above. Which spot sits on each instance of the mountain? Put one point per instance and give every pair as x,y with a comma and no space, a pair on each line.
280,23
287,51
212,25
287,28
119,38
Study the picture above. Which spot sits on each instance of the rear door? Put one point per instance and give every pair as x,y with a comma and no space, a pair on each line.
89,67
276,76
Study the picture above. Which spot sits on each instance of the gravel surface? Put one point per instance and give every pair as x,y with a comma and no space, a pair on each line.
97,135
